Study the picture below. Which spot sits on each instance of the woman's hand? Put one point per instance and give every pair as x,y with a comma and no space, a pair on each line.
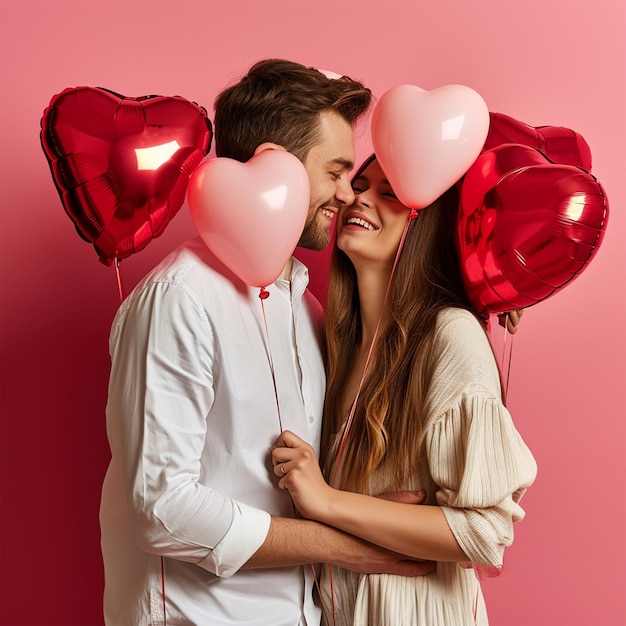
295,463
391,521
511,320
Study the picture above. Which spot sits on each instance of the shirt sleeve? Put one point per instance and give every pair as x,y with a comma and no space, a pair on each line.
475,454
160,392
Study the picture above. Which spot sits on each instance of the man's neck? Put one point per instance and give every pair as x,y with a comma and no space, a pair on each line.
286,274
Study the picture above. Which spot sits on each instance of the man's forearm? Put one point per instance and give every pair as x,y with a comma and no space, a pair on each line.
293,541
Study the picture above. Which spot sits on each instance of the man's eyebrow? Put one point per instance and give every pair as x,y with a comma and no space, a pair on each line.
342,163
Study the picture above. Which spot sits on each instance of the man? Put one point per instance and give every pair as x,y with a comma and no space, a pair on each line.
194,528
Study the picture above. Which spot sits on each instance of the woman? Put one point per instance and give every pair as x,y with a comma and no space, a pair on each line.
429,416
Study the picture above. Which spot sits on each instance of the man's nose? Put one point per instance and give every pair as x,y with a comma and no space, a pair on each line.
344,192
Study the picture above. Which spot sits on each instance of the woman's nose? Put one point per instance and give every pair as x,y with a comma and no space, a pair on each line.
363,199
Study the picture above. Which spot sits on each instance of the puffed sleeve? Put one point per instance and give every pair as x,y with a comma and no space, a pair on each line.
482,467
476,456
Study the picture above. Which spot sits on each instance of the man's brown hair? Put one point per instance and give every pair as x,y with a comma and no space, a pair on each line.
280,101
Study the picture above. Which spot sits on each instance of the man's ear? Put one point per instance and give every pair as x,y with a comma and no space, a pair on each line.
268,145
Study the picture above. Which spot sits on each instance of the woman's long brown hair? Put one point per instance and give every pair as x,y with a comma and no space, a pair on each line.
387,425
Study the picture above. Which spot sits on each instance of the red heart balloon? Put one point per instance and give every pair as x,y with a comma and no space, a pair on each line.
122,165
559,144
527,227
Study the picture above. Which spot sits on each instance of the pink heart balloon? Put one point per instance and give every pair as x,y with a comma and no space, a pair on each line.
426,140
251,215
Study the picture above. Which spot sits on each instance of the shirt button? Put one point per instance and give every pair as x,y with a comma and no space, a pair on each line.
311,419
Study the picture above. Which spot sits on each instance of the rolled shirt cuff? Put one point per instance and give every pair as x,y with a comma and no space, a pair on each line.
247,532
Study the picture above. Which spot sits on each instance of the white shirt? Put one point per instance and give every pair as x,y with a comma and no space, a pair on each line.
191,413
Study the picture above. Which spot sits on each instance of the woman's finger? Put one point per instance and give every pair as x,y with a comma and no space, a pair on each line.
281,469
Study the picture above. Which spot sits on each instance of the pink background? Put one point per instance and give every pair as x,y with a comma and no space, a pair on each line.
545,62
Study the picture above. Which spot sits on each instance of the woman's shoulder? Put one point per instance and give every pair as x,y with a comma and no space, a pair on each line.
462,352
461,328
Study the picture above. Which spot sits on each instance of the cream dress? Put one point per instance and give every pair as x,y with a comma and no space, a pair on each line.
476,467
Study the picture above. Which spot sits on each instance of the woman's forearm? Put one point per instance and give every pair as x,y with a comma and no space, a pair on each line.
420,531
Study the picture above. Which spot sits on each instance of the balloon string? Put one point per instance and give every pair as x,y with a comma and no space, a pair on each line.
506,363
263,295
506,321
319,593
346,429
121,291
412,215
163,590
120,282
508,370
332,593
476,605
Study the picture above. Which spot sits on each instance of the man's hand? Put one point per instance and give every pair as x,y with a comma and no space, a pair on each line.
367,558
